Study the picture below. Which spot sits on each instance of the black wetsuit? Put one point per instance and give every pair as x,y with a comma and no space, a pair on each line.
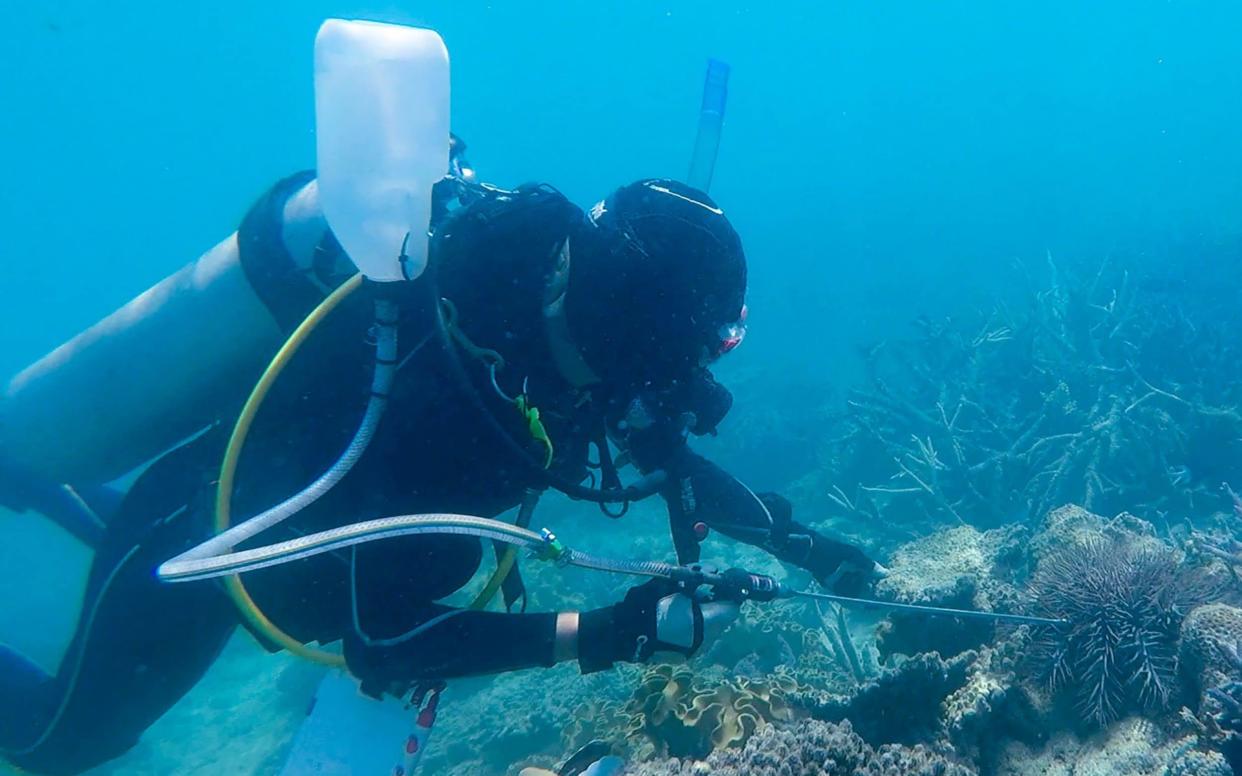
141,645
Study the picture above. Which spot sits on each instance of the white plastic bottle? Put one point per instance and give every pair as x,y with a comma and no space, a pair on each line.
382,124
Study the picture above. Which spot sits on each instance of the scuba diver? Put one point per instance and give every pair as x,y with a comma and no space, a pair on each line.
606,322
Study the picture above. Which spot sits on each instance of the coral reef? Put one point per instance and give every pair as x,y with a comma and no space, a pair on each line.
918,760
674,712
972,705
901,705
1209,638
930,569
1195,762
815,645
990,706
812,748
1071,525
1123,601
1096,388
1211,663
776,634
959,567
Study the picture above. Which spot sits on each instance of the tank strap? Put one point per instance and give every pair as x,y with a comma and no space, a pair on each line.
288,291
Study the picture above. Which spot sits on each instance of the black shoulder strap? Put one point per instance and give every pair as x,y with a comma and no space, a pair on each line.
287,291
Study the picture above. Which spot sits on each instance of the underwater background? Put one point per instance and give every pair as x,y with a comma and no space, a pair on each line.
1031,208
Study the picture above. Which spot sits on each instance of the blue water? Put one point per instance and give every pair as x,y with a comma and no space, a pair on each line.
882,161
877,157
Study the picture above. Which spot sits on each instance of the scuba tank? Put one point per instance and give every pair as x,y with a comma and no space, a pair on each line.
183,354
149,375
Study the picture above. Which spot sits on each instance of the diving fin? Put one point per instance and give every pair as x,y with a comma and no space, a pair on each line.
594,759
585,759
83,512
606,766
26,698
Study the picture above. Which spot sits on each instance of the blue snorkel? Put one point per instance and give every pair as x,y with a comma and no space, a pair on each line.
711,120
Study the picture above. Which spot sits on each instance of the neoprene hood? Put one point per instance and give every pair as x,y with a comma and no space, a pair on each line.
654,276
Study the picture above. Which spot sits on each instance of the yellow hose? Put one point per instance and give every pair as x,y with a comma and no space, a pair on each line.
228,471
488,592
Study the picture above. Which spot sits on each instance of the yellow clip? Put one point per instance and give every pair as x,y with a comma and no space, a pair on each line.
535,425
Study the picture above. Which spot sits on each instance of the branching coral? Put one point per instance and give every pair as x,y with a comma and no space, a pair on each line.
1124,602
1234,499
1103,390
1229,694
1220,541
835,635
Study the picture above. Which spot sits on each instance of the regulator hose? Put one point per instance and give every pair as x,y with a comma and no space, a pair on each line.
544,545
190,567
227,536
185,568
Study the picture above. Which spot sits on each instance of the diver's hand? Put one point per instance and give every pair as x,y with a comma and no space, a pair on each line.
842,568
656,618
855,578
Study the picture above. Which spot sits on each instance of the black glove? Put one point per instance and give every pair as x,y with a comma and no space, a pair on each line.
842,568
654,617
851,572
709,401
653,422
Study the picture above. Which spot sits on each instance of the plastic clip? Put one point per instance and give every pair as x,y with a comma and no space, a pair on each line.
552,548
534,424
403,259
